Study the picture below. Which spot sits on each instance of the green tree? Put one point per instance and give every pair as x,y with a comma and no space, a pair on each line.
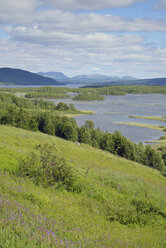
89,124
153,158
70,132
85,136
61,106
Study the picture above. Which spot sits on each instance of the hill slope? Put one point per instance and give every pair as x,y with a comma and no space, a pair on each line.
122,203
21,77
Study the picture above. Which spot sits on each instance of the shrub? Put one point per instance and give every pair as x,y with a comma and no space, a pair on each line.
46,168
137,211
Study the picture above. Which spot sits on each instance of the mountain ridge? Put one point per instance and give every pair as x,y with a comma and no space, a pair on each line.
85,78
22,77
99,80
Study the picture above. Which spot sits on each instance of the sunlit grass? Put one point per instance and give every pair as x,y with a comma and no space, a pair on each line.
33,216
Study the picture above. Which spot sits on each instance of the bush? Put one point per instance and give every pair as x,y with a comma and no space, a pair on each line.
62,106
140,210
46,168
153,159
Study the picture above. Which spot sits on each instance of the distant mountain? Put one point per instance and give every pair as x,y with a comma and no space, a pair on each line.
56,75
84,79
97,77
21,77
128,78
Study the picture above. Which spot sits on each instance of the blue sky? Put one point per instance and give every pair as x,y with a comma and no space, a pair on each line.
116,38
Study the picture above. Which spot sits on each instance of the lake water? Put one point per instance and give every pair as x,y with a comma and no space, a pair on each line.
36,86
118,108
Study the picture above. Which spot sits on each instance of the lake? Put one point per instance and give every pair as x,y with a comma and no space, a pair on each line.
118,108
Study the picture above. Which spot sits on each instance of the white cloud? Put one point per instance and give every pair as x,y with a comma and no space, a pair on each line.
16,11
83,53
61,40
23,11
56,20
89,4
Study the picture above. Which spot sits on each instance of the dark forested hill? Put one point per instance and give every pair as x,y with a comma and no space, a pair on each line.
147,82
21,77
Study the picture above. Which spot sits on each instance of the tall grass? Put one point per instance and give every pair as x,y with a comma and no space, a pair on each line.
121,204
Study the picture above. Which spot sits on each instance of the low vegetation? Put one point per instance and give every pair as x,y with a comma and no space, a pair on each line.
94,90
35,106
47,95
119,203
88,97
138,124
85,189
155,118
46,168
128,89
50,123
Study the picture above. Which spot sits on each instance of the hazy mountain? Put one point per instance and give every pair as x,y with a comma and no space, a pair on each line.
128,78
21,77
84,79
56,75
96,77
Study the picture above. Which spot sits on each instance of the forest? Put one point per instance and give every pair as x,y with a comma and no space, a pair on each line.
49,92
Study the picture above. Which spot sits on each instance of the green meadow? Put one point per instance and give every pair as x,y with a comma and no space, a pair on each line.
119,203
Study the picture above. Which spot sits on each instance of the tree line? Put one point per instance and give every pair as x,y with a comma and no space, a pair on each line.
66,128
88,97
87,92
7,99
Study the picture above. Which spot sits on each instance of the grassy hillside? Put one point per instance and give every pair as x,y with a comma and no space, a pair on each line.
120,204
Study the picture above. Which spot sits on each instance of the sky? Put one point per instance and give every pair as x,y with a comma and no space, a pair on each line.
109,37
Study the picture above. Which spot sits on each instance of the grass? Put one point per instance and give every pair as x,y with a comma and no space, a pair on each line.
79,112
155,118
122,203
155,127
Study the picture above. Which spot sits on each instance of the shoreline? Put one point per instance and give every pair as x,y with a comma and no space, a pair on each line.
162,138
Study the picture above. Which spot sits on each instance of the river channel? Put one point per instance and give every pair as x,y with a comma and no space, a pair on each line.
118,109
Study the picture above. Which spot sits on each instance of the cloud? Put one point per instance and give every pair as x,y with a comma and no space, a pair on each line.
94,22
161,5
26,13
17,11
60,38
23,11
56,20
83,53
75,5
43,39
